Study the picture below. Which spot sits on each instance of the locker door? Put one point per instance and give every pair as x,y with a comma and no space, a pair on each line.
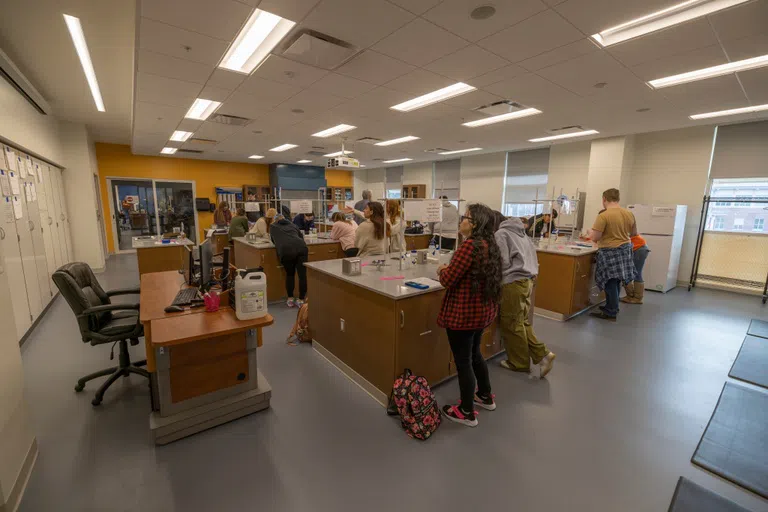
45,225
14,271
28,262
65,218
59,218
53,225
38,245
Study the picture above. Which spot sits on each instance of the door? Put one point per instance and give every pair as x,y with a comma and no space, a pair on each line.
14,270
64,214
45,224
133,207
56,183
51,220
28,261
176,207
38,245
100,217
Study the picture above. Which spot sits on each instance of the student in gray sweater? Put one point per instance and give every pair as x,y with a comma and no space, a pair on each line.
519,267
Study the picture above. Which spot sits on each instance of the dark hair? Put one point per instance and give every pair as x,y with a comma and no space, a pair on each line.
241,212
377,217
340,217
486,265
443,197
612,195
554,214
310,214
498,219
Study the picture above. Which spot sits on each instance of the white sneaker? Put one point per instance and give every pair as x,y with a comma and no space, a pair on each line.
299,303
291,302
545,366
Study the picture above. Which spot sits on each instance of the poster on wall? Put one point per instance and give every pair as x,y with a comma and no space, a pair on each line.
302,206
251,206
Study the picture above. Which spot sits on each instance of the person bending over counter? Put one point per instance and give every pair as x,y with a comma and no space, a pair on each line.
293,254
371,235
539,224
305,221
239,225
344,231
396,226
261,227
222,216
473,288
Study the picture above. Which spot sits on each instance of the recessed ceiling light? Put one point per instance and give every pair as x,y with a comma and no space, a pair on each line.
201,109
662,19
284,147
81,47
397,160
341,128
565,136
434,97
731,112
338,153
460,151
304,161
407,138
703,74
261,33
361,165
255,157
168,151
503,117
180,136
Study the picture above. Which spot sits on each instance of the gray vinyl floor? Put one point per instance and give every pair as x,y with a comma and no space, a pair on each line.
610,430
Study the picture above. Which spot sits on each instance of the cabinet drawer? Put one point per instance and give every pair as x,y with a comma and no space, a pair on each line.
194,380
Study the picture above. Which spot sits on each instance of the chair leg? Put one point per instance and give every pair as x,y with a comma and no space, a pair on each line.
137,371
125,369
81,382
111,380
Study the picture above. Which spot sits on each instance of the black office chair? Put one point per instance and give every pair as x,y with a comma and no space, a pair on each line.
100,321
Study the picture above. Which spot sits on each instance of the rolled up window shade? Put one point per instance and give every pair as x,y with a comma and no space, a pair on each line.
741,151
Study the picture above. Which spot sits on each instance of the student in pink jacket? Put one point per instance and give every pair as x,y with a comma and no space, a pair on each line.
344,231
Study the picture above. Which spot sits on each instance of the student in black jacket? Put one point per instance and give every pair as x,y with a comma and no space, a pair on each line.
293,253
305,221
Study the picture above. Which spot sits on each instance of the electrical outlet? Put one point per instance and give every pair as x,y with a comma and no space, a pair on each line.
342,325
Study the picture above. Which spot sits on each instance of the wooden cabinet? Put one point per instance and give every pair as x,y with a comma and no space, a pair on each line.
416,242
421,344
414,192
322,252
256,192
564,284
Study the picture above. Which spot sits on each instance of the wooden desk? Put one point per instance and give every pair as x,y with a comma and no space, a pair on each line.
153,257
203,365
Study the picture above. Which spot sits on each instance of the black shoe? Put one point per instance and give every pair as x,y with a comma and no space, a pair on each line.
603,316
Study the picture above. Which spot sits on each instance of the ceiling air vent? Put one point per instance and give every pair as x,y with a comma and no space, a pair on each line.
202,141
565,130
368,140
500,107
436,150
189,151
320,50
316,153
229,120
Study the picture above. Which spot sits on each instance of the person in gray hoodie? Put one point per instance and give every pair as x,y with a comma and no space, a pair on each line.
519,267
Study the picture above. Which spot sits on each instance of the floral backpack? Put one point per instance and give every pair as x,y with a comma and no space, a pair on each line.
416,405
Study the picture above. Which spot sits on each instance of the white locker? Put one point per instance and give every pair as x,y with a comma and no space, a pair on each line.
14,271
28,258
64,215
45,225
38,245
53,225
59,217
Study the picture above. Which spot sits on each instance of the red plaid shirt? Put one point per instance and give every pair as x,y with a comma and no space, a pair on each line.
462,309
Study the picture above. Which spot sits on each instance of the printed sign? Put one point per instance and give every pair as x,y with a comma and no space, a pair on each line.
430,210
664,211
251,206
302,206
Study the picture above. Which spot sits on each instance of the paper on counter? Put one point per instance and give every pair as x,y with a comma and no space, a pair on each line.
13,178
5,183
17,211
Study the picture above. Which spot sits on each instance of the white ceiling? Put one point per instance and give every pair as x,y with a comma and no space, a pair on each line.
531,51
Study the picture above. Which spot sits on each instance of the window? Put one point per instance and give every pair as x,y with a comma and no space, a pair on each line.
743,205
394,193
759,224
738,224
723,203
719,223
735,203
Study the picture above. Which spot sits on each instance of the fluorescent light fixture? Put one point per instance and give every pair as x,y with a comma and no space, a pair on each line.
255,157
397,160
407,138
361,165
460,151
703,74
261,33
565,136
731,112
335,130
338,153
284,147
168,151
201,109
304,162
81,47
434,97
664,18
180,136
503,117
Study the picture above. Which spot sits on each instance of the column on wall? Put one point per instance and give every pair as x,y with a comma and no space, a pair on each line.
447,181
610,161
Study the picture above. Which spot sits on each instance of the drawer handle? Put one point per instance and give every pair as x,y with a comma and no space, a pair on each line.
426,332
402,318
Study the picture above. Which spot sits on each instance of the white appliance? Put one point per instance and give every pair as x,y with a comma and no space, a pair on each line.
662,227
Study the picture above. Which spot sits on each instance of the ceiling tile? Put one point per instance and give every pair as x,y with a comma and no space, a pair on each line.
498,75
593,16
416,6
154,118
165,91
755,83
279,69
418,82
533,91
267,93
225,79
375,68
358,23
538,34
454,15
150,142
172,67
341,85
312,102
719,93
419,43
747,47
558,55
214,93
161,38
467,63
473,100
214,18
294,10
246,105
745,20
216,131
680,63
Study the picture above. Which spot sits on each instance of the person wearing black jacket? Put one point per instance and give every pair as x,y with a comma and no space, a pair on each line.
293,253
542,224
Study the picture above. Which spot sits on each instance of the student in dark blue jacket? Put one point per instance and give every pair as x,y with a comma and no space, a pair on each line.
293,253
305,221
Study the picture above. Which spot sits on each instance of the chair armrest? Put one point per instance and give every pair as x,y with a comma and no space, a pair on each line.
123,291
108,307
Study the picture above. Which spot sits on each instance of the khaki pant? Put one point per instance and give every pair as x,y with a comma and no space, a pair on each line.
516,330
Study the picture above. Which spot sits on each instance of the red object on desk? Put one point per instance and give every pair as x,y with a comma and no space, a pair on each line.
212,301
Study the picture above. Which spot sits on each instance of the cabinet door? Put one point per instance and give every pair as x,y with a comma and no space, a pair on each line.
45,226
422,345
38,245
28,261
14,271
582,283
51,217
65,215
491,341
59,219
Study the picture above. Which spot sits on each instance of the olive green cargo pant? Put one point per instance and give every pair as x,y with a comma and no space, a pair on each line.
516,330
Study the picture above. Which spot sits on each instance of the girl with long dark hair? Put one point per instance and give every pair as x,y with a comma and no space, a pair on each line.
371,235
473,287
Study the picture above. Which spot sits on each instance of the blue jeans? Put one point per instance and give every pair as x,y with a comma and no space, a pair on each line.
612,289
639,256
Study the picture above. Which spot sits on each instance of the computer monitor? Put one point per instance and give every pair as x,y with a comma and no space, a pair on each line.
188,265
206,262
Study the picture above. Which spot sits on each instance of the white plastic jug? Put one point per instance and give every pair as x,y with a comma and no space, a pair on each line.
251,296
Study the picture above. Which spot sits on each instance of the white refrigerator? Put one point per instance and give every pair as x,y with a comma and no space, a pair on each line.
662,227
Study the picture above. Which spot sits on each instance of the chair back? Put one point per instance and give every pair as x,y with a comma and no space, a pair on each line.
82,290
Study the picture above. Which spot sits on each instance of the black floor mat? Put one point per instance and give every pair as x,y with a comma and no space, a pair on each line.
751,365
735,442
691,497
758,328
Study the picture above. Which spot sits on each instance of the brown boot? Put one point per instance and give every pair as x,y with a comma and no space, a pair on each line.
639,292
630,289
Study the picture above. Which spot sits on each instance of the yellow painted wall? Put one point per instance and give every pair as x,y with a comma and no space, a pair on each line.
336,178
116,160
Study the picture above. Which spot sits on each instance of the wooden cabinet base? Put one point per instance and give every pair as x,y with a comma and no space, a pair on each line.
565,285
160,259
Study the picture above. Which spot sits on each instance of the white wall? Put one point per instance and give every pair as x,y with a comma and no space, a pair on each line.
482,179
608,165
672,167
376,183
82,201
359,183
419,173
569,167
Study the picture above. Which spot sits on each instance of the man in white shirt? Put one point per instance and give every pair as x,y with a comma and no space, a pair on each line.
447,230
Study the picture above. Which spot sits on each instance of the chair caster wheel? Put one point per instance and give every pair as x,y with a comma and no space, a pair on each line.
79,388
96,401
